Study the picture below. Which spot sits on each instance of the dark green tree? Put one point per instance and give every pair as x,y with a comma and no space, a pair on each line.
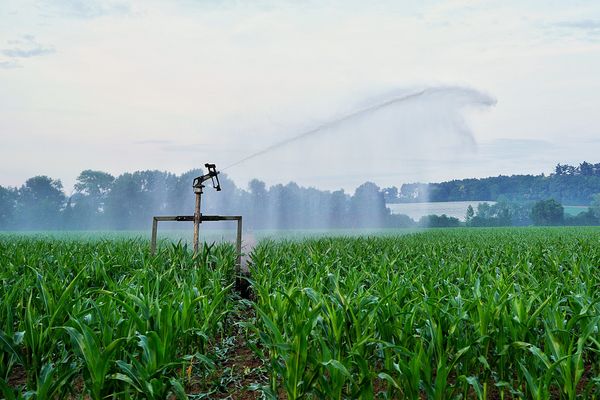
85,208
470,214
8,204
123,202
595,205
40,202
547,212
135,198
95,184
586,169
438,221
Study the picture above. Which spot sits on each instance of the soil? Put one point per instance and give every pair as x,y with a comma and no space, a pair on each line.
237,369
18,376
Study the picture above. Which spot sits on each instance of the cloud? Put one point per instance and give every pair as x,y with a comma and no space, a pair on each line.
511,148
191,148
26,47
153,141
171,146
589,28
585,24
85,8
10,64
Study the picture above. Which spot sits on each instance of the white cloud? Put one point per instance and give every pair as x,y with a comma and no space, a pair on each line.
26,47
9,64
83,8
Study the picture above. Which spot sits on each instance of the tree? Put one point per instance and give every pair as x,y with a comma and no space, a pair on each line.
86,206
339,205
40,202
135,198
367,207
390,194
8,204
438,221
258,203
400,221
470,214
584,218
595,206
568,184
520,213
547,212
586,169
123,202
484,210
95,184
181,198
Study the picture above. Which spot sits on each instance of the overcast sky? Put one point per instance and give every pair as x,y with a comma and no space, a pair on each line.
123,85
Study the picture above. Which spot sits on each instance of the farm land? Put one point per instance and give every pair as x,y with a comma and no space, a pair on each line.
499,313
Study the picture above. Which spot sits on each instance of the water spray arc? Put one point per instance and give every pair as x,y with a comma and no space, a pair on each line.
198,185
198,218
472,95
335,122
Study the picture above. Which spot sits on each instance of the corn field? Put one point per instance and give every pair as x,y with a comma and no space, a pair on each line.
108,316
443,314
440,315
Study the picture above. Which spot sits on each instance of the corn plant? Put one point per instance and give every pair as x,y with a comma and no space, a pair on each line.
104,311
434,315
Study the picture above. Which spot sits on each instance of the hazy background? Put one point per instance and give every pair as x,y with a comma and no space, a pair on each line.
124,85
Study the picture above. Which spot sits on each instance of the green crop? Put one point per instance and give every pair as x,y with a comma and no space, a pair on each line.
499,313
442,314
107,312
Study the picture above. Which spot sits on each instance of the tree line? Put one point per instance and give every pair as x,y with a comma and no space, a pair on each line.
129,201
100,201
548,212
573,185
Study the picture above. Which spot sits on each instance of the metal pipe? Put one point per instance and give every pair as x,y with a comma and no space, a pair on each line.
197,217
194,218
153,240
238,242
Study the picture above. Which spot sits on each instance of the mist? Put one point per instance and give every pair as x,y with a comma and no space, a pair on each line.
380,138
129,201
386,136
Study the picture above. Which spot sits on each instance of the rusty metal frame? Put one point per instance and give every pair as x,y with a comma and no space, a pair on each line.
197,219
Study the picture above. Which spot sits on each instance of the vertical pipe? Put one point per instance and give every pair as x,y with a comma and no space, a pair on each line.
197,222
238,264
153,240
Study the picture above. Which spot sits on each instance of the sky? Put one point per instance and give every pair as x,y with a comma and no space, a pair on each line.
126,85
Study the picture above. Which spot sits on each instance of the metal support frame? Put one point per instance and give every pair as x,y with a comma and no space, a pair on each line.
197,219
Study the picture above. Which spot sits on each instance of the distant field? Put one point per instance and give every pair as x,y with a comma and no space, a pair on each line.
438,314
457,209
574,210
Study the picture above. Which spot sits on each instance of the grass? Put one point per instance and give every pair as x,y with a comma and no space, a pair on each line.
440,314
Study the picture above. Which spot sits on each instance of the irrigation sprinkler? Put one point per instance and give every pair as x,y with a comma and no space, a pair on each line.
198,218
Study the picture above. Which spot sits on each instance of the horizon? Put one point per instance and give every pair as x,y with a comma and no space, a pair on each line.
71,189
